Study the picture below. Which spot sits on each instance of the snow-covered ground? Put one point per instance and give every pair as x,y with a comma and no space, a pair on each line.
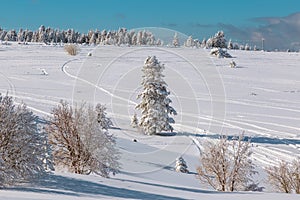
260,98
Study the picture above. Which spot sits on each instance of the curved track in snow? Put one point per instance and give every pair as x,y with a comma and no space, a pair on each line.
63,68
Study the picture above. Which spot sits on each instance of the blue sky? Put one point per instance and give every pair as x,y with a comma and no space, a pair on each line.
192,17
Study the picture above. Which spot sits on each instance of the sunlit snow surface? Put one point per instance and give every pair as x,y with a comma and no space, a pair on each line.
260,98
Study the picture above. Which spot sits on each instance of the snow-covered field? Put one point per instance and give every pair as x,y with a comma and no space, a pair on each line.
261,97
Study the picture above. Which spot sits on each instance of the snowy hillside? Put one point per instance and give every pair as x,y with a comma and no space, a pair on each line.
260,98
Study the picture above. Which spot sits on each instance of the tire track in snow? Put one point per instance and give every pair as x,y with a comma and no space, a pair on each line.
63,68
10,84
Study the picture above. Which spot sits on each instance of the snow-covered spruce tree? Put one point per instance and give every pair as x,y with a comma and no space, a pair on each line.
226,165
103,120
218,40
155,104
180,165
175,41
79,143
25,153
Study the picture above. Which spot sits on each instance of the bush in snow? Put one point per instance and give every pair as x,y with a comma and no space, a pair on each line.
226,165
155,104
220,53
218,40
72,49
79,143
103,120
134,121
181,166
24,150
285,177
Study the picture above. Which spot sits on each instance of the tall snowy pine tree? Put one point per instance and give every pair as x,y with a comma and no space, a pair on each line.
155,104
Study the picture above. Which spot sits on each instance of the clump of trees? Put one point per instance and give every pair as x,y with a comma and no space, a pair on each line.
104,37
155,103
24,151
80,143
226,164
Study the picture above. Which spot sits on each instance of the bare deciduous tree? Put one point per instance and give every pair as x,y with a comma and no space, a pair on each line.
24,150
79,143
285,177
226,165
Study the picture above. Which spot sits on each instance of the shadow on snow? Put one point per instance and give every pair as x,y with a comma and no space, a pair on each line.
55,184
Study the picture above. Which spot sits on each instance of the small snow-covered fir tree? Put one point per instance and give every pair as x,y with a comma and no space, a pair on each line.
134,121
155,104
180,165
102,119
175,41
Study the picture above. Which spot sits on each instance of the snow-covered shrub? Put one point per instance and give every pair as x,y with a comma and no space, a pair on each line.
79,143
180,165
232,64
218,40
103,120
226,165
155,104
134,121
72,49
24,150
285,177
254,187
175,41
220,53
44,72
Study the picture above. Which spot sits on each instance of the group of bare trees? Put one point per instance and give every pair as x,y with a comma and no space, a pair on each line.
74,138
226,165
80,142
